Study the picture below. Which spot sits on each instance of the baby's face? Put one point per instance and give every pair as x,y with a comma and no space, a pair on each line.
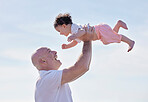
63,29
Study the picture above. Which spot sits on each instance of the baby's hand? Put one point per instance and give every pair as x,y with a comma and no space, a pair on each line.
70,38
64,46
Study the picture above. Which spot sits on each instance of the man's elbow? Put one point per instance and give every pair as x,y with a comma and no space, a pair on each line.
84,68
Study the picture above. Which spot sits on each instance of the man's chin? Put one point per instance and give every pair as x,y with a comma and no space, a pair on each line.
59,63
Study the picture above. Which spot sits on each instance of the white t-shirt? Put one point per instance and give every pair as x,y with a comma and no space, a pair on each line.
49,88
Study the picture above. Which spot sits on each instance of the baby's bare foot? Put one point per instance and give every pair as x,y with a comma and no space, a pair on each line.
122,24
131,45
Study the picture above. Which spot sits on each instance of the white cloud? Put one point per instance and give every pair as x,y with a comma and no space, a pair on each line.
16,100
37,28
17,54
18,83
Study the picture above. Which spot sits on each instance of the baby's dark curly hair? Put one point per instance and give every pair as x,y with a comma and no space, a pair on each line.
63,19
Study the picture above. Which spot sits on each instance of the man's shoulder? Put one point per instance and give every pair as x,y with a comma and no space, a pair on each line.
51,76
49,73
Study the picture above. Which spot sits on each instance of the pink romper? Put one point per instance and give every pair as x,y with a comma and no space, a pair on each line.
106,34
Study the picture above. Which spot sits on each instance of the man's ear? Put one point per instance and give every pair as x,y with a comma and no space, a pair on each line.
42,61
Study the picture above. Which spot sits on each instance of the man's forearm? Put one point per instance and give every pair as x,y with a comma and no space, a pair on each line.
85,58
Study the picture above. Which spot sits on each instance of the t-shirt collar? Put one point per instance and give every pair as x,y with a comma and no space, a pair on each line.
44,72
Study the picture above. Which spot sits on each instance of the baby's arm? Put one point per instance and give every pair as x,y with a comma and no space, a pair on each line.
72,44
80,33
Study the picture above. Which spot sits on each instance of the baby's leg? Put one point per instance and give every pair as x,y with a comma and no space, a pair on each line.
128,41
120,24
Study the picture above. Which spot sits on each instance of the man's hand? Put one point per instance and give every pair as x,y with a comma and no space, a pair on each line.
89,29
89,33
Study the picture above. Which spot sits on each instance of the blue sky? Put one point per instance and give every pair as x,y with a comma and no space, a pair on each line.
114,75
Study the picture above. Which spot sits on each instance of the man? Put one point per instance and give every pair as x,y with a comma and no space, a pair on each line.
52,85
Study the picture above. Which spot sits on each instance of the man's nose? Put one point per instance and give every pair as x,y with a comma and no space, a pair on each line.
54,52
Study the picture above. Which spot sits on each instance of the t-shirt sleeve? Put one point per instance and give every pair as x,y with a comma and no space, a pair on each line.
53,78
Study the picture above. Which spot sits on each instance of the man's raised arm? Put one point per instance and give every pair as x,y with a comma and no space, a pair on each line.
81,66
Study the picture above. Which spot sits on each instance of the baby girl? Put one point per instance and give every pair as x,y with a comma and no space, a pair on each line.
63,24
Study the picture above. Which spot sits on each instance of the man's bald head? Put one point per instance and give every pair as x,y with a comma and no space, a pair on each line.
39,54
45,59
